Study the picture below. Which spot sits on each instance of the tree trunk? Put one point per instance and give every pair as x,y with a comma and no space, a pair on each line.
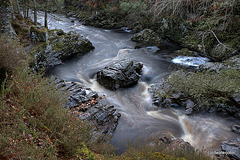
27,12
18,7
24,8
45,19
45,16
35,11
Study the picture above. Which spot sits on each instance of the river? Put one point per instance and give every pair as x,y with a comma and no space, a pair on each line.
139,118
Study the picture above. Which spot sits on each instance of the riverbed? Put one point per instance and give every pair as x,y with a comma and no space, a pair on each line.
139,119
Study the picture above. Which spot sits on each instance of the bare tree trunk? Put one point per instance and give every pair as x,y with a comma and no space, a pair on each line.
35,11
18,7
45,19
45,16
24,8
27,11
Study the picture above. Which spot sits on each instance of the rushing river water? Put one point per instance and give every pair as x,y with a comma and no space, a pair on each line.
138,120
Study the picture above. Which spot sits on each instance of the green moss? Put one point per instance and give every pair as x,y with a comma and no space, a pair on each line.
191,41
58,46
207,86
38,30
85,153
184,52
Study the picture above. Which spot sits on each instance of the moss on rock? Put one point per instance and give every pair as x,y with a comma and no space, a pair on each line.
59,49
184,52
41,33
147,37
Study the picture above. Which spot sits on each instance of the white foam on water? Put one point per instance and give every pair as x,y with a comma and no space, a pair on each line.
124,53
190,61
204,132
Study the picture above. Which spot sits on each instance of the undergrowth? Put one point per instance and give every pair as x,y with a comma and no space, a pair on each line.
34,122
157,150
35,125
206,86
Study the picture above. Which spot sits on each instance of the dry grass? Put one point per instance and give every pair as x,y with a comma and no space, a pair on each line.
195,10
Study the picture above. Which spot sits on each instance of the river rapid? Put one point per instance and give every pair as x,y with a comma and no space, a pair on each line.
139,118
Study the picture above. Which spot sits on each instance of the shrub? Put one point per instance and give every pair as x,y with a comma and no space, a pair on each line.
11,56
157,150
33,122
129,7
206,86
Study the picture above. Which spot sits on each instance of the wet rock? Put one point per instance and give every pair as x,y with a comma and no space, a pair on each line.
69,14
211,66
147,37
184,52
166,103
236,128
173,143
162,98
123,73
59,49
189,106
232,148
232,63
236,98
227,109
87,105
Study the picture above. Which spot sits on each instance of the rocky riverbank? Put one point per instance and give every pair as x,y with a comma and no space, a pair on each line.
90,107
82,102
60,47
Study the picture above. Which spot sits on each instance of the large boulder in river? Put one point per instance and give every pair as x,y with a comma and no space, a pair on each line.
147,37
60,48
120,74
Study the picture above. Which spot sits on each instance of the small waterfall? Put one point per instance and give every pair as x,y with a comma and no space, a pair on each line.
205,132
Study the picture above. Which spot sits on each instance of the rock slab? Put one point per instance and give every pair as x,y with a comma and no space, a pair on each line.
60,48
90,107
232,148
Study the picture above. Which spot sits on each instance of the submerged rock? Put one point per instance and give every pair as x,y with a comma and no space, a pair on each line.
147,37
89,106
236,128
61,48
120,74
